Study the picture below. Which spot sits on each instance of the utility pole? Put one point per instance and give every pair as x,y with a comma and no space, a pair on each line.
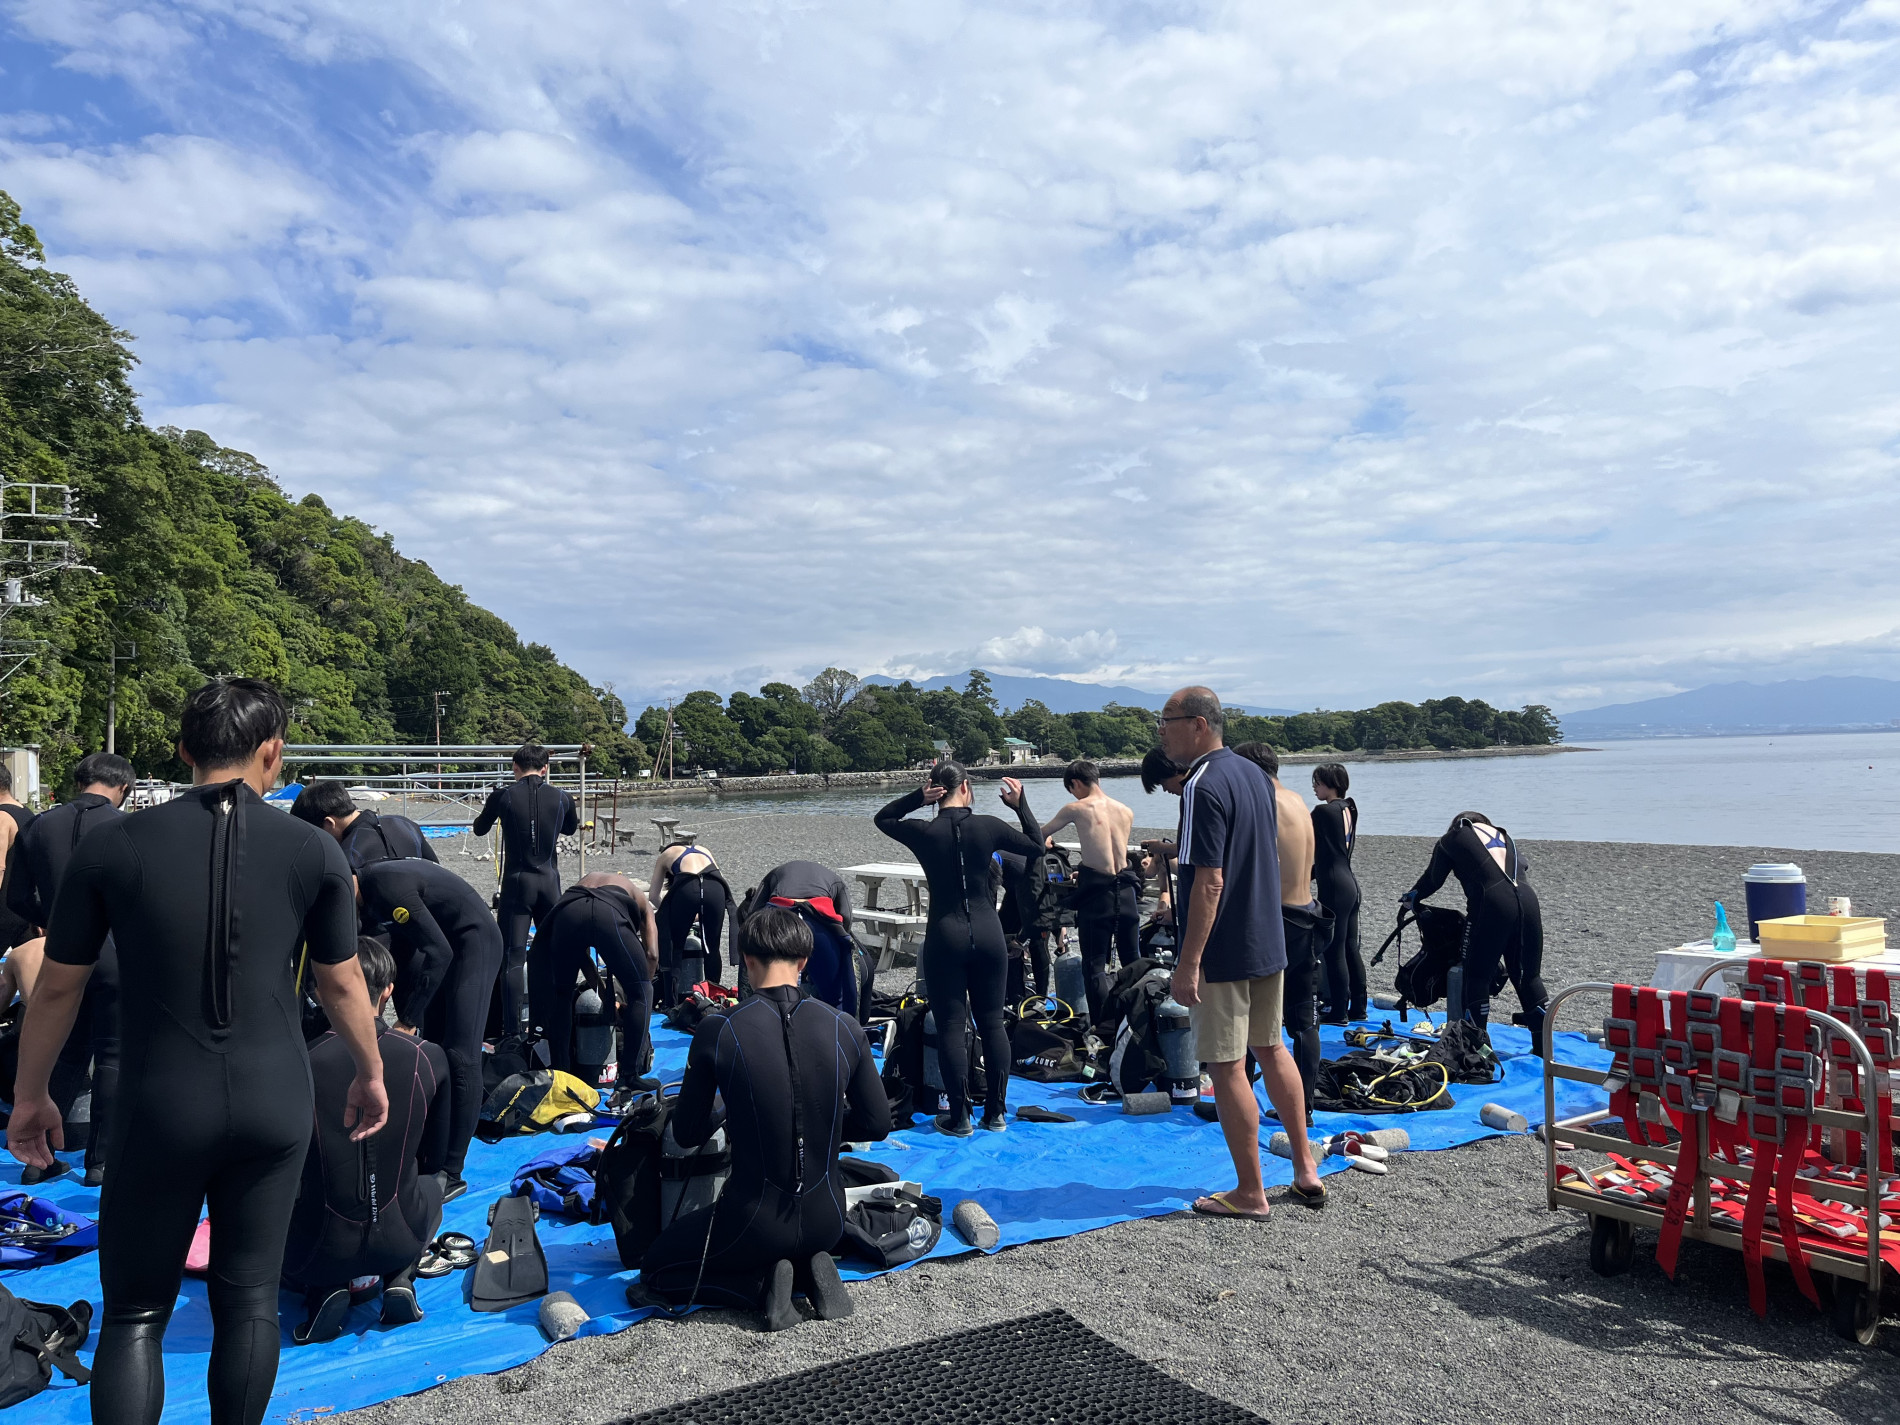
664,752
438,695
112,691
32,557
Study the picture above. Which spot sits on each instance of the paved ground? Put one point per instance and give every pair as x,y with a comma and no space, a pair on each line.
1444,1292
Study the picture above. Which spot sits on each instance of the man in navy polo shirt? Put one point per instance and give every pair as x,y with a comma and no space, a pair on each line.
1232,966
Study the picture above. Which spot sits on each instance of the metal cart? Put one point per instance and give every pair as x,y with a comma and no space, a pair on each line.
1855,1311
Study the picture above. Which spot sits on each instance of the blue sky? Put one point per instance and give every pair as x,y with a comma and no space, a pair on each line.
1537,352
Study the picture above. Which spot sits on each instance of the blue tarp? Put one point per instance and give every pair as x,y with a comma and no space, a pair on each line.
1037,1180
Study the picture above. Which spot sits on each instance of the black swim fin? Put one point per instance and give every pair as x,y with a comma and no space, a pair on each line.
512,1268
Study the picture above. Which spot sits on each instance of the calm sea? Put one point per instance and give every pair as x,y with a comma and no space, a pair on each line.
1827,791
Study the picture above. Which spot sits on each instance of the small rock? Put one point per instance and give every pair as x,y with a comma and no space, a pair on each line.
1227,1294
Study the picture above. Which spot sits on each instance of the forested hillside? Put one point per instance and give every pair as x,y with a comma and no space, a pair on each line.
206,566
836,723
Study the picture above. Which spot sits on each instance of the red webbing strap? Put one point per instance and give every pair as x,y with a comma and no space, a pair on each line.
1765,1042
1809,981
1769,980
1619,1034
1794,1101
1880,1045
1693,1134
1843,1071
1646,1064
1728,1125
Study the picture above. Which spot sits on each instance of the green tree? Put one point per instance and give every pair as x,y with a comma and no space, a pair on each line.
829,692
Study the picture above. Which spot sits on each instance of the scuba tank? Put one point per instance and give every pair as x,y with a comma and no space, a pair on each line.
692,960
1071,979
1176,1033
938,1097
593,1038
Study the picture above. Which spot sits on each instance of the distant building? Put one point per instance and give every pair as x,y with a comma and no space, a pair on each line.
941,748
24,764
1015,751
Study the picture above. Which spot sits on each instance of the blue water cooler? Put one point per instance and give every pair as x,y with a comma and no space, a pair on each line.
1773,889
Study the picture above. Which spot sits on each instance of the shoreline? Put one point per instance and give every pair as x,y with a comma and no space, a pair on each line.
1026,771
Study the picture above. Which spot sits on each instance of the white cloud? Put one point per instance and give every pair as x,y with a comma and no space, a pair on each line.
172,195
1329,354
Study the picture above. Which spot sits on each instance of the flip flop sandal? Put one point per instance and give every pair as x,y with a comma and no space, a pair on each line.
1223,1208
1305,1198
451,1252
1035,1113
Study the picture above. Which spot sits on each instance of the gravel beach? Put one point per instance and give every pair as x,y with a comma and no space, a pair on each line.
1445,1292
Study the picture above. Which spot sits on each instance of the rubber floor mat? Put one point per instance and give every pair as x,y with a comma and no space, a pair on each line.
1038,1370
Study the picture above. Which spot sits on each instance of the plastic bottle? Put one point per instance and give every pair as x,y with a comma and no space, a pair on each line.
1724,937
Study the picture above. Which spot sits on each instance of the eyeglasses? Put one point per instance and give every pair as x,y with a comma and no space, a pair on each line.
1184,717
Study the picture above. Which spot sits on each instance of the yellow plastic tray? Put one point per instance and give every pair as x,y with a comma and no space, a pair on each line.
1823,937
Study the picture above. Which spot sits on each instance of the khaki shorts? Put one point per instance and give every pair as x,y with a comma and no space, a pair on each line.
1234,1015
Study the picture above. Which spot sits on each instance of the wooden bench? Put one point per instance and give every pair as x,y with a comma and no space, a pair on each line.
887,932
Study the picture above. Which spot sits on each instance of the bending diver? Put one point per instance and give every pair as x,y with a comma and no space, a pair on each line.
1504,929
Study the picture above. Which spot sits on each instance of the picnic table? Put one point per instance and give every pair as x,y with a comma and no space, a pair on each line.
1679,967
889,931
906,873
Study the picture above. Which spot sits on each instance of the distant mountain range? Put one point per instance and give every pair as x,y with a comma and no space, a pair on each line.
1059,695
1803,705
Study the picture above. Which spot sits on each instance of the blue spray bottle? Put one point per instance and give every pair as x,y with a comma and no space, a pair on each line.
1724,936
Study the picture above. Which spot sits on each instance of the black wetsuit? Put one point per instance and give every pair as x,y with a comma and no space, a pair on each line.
448,950
699,898
603,919
1309,931
1504,926
1021,902
1107,919
372,838
42,852
797,1079
964,961
833,973
369,1208
533,817
211,897
14,929
1344,982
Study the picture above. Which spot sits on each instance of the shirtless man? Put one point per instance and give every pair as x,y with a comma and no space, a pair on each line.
1107,909
687,890
1309,925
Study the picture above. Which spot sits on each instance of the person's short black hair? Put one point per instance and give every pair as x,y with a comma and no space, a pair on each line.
228,719
379,966
1082,772
323,799
1261,755
6,778
1157,767
531,757
948,775
1333,777
104,769
776,933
